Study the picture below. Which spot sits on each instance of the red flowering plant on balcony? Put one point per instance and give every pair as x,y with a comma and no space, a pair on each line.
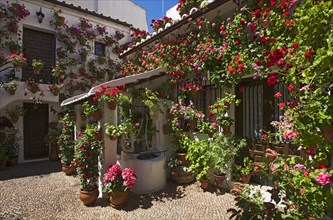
84,24
190,87
138,35
160,23
107,94
184,6
88,148
17,60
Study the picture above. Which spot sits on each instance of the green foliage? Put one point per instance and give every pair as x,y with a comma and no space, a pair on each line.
16,112
9,86
37,64
89,108
200,156
66,141
173,163
224,147
88,148
152,101
116,130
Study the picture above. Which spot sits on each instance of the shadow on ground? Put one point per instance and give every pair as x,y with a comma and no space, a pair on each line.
171,191
30,169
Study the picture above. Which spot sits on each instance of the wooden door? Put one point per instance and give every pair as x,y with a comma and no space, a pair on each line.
39,45
36,120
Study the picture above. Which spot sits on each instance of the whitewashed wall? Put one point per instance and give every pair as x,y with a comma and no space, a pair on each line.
124,10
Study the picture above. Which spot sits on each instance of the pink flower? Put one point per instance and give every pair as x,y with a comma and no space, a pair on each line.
137,124
129,177
278,95
299,167
310,150
214,123
241,89
324,178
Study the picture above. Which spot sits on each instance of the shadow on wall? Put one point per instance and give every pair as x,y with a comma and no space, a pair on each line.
30,169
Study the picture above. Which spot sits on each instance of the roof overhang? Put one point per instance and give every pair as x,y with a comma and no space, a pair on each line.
133,79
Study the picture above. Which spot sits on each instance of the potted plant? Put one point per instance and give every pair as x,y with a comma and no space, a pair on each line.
37,65
152,101
66,145
15,112
109,95
200,156
13,46
208,127
52,138
56,88
117,182
114,131
83,54
92,109
12,145
88,149
248,168
174,164
10,86
32,86
18,61
223,148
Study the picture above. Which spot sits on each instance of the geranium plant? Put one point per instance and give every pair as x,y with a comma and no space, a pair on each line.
105,93
117,179
37,64
66,141
88,148
17,60
10,86
160,23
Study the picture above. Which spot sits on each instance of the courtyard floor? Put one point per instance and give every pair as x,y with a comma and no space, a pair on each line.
41,191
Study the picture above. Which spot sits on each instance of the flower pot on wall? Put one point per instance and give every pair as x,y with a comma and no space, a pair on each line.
226,129
18,68
219,178
11,92
37,71
113,138
118,199
89,197
246,178
112,105
83,117
97,115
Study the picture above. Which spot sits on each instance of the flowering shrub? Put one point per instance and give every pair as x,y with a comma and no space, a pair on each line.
88,148
189,87
137,35
184,6
160,23
66,141
118,180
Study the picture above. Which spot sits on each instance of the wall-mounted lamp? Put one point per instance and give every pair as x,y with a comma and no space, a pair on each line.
40,15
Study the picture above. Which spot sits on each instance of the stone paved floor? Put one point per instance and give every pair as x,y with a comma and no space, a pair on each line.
40,191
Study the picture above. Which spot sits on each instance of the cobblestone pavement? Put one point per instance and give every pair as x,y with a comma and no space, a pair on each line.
40,191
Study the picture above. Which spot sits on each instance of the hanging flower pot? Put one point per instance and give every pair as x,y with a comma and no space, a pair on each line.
113,138
18,68
37,71
89,197
226,129
112,105
118,199
83,117
11,92
97,115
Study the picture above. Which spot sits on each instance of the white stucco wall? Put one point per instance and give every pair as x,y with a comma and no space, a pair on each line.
72,17
173,13
124,10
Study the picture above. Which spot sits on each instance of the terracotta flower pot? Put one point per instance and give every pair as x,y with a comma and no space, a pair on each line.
97,115
246,178
12,161
327,133
219,179
11,92
181,156
204,184
37,71
14,119
83,117
112,105
18,68
118,199
113,138
226,129
68,170
89,197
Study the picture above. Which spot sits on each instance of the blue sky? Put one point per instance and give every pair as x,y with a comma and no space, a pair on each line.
154,8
